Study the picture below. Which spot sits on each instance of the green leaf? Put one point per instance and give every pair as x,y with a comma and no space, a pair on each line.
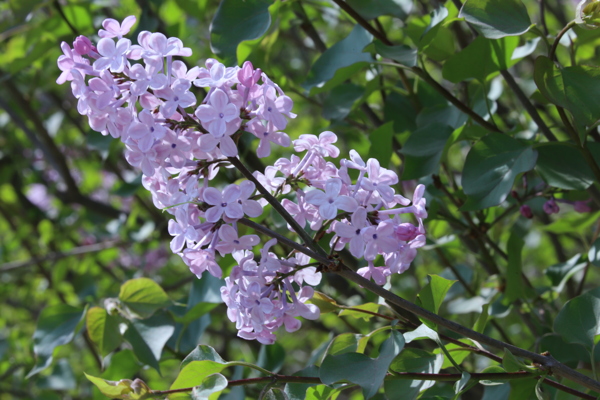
381,143
514,281
594,253
124,389
275,394
149,336
496,18
364,371
103,330
325,303
482,319
573,88
562,165
297,391
271,357
560,273
371,307
321,392
561,350
412,360
143,296
339,103
214,383
193,374
344,343
494,369
201,353
196,312
460,384
423,150
511,363
432,295
579,319
493,56
491,168
235,22
55,326
370,9
402,54
344,53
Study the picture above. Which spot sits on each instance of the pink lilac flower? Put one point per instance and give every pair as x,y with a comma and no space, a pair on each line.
331,200
224,203
214,116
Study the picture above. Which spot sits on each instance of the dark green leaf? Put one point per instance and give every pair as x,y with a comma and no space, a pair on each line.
297,391
55,327
562,165
493,56
496,18
143,296
235,22
371,307
275,394
579,319
412,360
271,357
460,385
61,378
514,280
149,336
560,273
211,384
370,9
402,54
357,368
491,168
432,295
338,104
594,253
442,114
573,88
482,319
423,150
561,350
103,330
345,53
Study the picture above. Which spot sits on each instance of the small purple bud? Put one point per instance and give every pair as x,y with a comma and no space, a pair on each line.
550,207
582,206
82,45
526,211
406,231
514,194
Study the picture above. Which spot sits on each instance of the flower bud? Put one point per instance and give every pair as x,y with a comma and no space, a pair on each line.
526,211
82,45
406,231
550,207
587,14
581,206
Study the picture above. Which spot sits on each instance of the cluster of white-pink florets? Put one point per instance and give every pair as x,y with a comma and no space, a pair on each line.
180,144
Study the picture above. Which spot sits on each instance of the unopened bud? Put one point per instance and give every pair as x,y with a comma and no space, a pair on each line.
581,206
406,231
587,14
550,207
82,45
526,211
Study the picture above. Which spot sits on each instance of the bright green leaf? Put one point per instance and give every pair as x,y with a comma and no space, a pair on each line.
194,373
432,295
55,326
143,296
201,353
325,303
235,22
491,168
352,312
297,391
497,18
125,389
103,330
511,363
381,143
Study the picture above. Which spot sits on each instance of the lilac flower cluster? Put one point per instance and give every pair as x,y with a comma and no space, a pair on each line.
140,94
